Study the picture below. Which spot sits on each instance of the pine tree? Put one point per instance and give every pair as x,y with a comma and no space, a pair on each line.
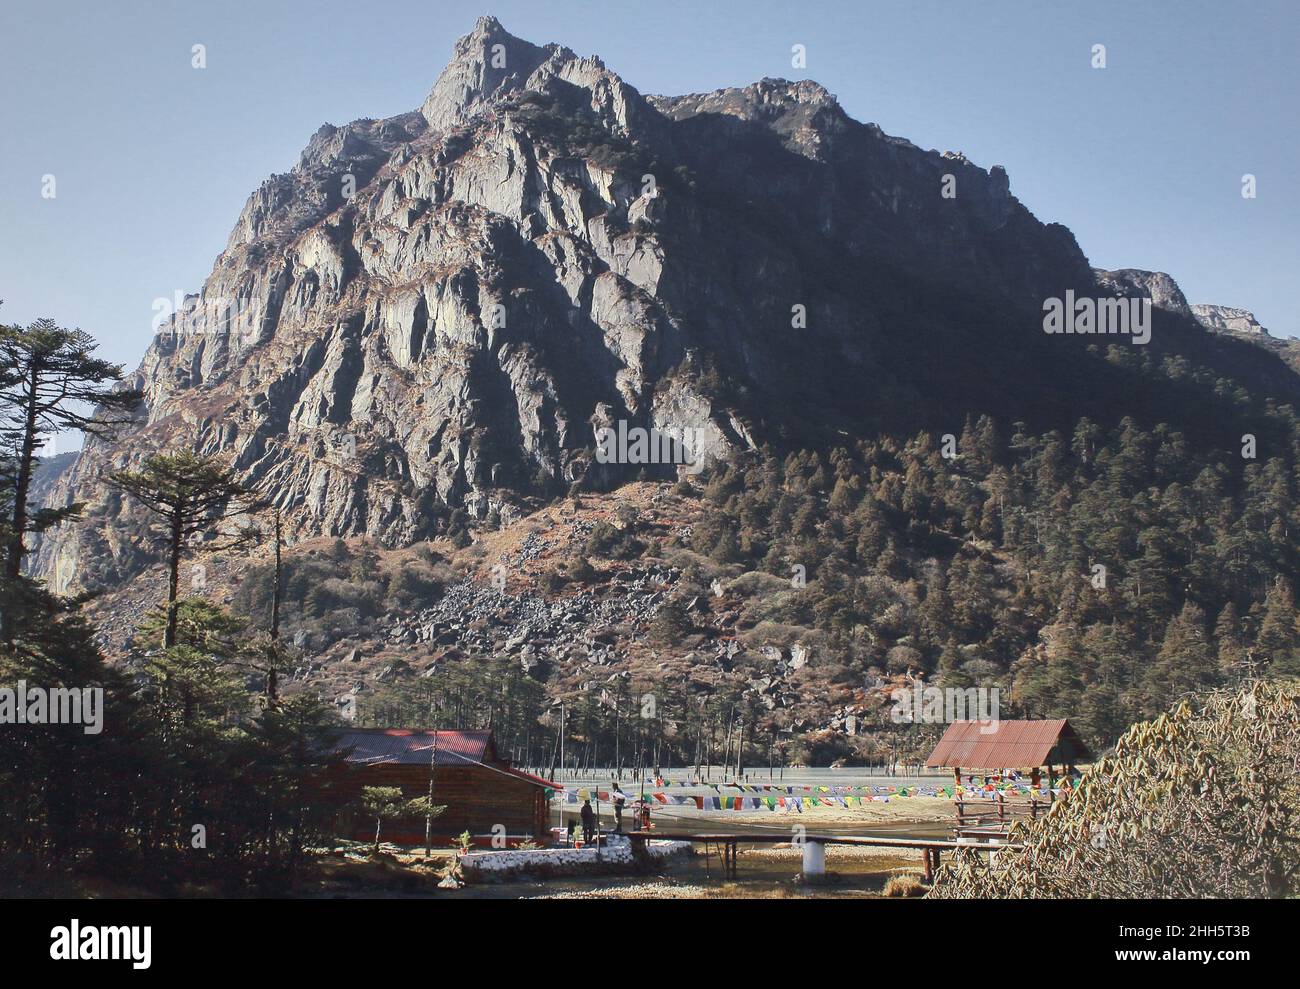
1230,650
951,673
50,375
191,495
1279,637
1186,662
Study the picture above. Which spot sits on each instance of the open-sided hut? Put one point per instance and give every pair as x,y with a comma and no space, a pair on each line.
1009,745
481,791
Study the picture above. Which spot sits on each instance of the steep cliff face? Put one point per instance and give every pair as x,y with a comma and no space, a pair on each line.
439,309
1157,286
1225,319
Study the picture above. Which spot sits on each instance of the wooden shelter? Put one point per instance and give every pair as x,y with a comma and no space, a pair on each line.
481,791
1008,745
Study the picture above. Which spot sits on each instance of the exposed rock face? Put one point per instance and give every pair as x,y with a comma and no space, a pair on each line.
437,309
1160,288
47,474
1225,319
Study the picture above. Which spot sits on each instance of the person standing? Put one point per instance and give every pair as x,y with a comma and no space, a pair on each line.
588,822
619,801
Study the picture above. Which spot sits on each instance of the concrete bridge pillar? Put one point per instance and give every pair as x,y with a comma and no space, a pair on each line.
814,860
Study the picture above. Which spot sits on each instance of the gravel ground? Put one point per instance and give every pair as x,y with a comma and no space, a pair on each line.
637,891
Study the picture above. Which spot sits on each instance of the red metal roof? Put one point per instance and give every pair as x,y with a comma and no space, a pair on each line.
535,779
1011,744
376,746
386,746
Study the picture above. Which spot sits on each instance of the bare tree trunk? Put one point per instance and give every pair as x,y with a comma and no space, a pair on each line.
173,580
23,483
16,549
273,671
726,748
740,749
428,820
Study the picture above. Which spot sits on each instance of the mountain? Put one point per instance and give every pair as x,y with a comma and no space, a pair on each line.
47,474
1241,324
437,311
1225,319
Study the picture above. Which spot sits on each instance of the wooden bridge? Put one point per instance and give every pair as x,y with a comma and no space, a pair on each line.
814,846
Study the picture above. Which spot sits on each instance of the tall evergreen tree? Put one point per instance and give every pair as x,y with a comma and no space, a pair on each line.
1279,636
51,382
190,495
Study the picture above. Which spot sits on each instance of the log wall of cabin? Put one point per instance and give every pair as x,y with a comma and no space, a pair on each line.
477,798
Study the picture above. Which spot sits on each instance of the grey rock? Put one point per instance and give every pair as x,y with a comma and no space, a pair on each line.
1225,319
1157,286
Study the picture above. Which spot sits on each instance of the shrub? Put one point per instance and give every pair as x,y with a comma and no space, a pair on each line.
1202,802
413,586
904,884
609,542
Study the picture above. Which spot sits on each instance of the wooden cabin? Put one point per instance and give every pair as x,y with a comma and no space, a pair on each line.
479,788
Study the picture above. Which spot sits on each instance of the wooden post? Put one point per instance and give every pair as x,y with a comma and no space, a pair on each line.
740,748
428,820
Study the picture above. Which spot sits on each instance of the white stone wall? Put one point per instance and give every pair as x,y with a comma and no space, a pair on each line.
617,851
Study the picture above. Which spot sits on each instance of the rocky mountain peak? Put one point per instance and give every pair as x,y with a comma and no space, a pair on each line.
1157,286
486,62
804,113
437,311
1165,293
1226,319
784,93
490,64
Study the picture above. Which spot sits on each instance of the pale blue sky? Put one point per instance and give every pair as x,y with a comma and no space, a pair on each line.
153,159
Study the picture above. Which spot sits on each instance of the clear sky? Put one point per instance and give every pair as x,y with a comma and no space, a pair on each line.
153,159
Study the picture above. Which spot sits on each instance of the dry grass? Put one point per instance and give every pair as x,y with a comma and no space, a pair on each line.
906,884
